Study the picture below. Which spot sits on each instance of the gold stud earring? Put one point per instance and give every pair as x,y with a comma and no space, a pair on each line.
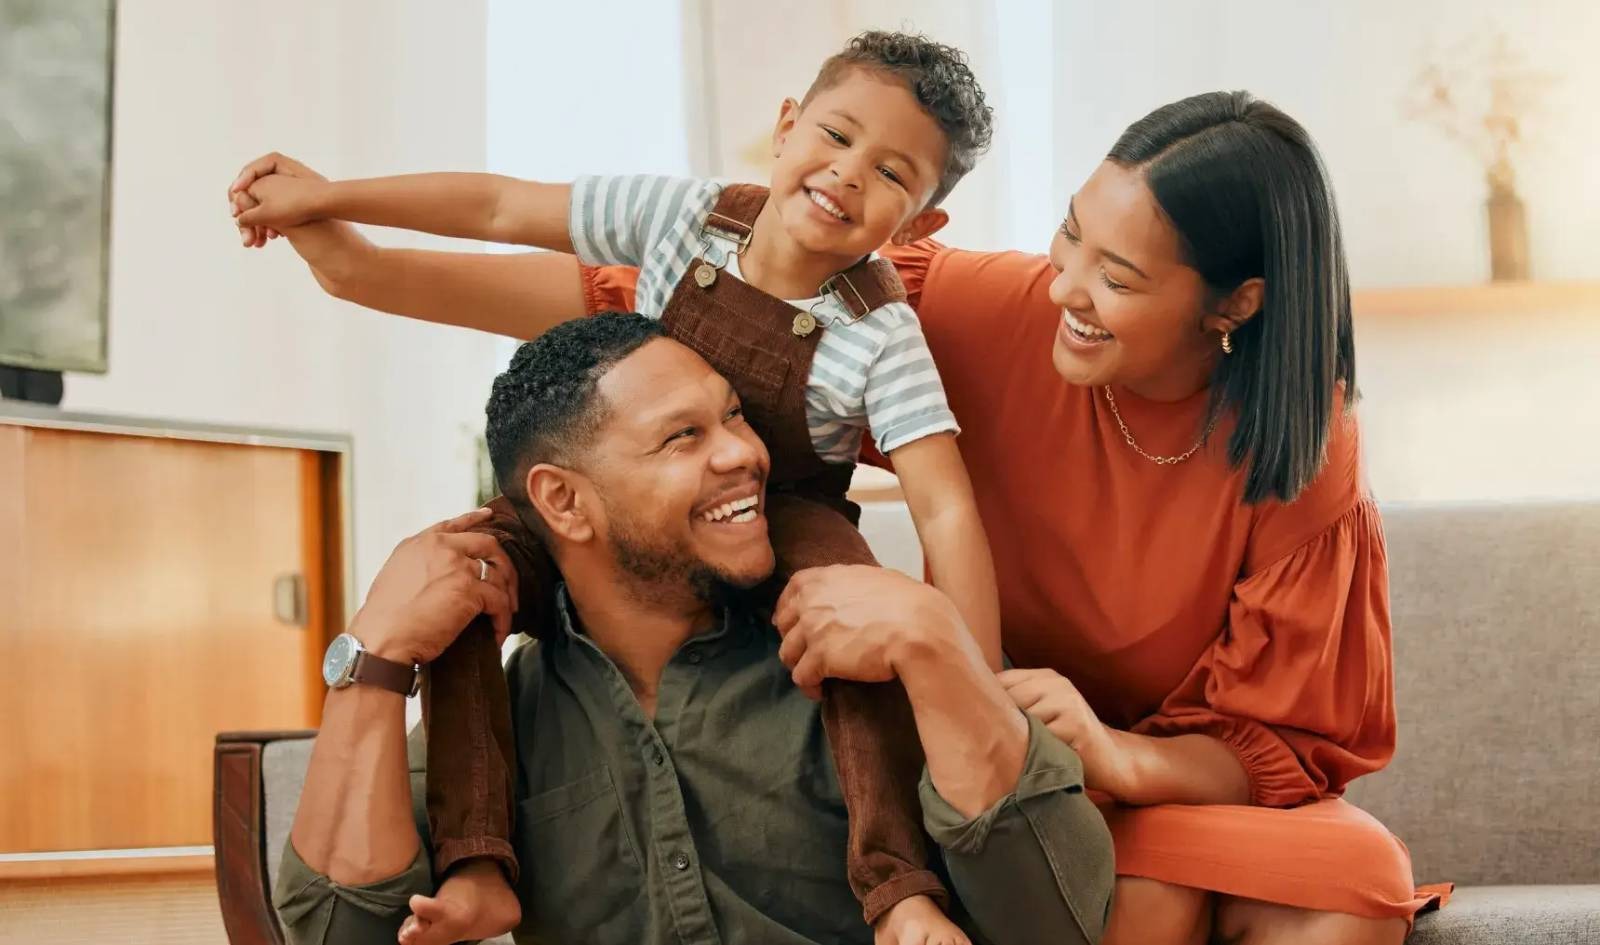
1227,343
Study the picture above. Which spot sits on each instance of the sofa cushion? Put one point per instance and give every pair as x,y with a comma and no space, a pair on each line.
1512,915
283,774
1496,613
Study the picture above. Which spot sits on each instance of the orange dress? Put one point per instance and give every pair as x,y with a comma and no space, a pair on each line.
1171,605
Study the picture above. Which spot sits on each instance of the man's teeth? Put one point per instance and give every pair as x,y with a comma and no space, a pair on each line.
737,512
821,200
1083,328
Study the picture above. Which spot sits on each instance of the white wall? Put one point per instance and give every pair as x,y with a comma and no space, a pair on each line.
1411,200
203,330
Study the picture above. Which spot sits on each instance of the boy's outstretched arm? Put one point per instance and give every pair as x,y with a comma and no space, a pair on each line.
954,546
470,206
519,295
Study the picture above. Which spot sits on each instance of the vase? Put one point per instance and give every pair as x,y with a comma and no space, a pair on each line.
1508,234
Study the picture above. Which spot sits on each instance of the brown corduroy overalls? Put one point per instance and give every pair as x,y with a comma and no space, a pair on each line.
764,347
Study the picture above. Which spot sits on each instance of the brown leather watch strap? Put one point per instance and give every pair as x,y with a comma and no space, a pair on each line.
372,670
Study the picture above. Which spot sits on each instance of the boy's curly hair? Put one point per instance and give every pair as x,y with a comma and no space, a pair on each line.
938,75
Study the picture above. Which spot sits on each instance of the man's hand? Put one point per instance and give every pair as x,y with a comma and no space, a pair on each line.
432,586
256,236
1052,699
857,622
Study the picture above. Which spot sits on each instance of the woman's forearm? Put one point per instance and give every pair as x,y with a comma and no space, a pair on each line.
1182,769
519,295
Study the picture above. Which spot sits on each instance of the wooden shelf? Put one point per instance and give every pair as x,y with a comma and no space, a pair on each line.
1495,298
81,867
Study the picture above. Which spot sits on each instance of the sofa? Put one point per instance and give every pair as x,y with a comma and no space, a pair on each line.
1495,787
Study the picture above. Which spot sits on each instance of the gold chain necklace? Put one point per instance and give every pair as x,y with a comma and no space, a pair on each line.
1158,460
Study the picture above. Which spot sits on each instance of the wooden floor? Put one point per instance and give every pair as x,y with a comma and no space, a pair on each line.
172,910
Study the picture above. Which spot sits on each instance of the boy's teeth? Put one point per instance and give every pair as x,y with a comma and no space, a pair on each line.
821,200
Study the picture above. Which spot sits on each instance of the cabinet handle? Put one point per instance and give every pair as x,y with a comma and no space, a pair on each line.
289,599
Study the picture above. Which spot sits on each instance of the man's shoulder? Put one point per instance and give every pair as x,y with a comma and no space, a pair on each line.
525,669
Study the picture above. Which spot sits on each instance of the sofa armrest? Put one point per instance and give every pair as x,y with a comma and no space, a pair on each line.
238,822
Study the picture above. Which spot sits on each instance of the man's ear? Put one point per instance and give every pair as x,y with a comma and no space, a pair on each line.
921,226
1240,305
560,497
788,114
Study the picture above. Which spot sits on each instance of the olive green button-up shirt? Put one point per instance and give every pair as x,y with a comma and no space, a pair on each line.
721,820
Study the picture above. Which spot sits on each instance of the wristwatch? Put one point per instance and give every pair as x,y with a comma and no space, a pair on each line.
348,662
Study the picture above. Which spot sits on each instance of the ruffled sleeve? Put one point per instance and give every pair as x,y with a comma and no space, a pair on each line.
912,262
608,288
1300,684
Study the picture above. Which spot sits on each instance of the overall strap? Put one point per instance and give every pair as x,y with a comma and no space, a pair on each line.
869,284
865,286
734,215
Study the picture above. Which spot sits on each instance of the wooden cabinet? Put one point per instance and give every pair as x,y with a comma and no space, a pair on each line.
155,589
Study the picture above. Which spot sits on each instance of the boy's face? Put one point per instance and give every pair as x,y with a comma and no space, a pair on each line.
856,167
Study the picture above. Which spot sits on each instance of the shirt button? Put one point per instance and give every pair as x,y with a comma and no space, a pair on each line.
694,658
658,758
680,861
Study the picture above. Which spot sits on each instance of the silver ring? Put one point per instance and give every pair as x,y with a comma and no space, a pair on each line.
483,570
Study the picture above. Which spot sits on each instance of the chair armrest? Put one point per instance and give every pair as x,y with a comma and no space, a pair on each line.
238,835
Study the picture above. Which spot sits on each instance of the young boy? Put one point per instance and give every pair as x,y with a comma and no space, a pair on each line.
778,288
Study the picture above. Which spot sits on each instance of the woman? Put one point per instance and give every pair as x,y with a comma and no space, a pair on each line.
1186,550
1157,421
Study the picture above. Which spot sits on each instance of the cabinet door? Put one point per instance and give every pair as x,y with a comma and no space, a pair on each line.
152,593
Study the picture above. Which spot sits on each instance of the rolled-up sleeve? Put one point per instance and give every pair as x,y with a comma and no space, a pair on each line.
315,910
1037,865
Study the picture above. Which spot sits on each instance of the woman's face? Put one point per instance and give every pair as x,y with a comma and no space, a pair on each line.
1133,313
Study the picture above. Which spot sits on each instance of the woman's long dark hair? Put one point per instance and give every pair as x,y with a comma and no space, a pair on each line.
1247,192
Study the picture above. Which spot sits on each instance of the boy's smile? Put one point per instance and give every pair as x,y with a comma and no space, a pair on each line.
856,166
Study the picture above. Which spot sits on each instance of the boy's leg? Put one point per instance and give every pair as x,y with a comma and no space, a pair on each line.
870,727
466,712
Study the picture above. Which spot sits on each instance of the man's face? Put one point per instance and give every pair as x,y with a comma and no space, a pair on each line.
680,474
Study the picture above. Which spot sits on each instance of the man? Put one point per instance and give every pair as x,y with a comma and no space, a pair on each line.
673,781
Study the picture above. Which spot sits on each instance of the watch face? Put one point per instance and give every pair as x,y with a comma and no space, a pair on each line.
339,660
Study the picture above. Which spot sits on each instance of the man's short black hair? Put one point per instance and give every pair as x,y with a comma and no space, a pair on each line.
544,407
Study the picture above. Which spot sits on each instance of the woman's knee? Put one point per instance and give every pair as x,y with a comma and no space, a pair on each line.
1147,911
1253,922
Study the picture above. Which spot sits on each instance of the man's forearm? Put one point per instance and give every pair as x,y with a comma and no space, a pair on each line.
354,823
470,206
975,738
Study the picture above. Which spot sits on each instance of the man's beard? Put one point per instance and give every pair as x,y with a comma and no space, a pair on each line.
654,562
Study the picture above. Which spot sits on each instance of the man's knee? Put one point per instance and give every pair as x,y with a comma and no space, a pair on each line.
1149,911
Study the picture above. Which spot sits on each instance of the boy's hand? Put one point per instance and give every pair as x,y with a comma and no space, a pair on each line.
239,199
281,201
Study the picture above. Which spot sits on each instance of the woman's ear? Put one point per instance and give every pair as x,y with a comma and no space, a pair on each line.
558,497
1238,307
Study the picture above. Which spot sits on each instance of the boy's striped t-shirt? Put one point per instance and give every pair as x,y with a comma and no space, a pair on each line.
872,373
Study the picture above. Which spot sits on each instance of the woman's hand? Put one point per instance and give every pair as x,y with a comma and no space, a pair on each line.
1049,697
